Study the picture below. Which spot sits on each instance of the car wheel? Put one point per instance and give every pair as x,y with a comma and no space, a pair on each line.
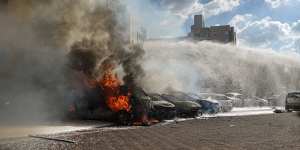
195,114
200,113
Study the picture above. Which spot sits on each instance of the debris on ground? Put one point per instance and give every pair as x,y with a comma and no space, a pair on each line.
280,110
52,139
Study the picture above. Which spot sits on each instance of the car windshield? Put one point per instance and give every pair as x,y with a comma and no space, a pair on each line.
185,97
297,95
294,96
155,97
173,98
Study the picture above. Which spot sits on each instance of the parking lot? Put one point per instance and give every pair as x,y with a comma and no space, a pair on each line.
268,131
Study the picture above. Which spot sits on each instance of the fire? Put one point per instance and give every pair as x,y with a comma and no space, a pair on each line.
111,85
118,103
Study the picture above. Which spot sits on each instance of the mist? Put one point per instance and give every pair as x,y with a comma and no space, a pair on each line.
196,67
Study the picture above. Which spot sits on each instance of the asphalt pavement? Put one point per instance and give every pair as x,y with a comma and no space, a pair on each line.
266,132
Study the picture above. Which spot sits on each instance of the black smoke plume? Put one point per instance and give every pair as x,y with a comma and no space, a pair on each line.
43,42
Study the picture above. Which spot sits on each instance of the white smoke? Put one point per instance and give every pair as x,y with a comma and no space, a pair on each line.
210,67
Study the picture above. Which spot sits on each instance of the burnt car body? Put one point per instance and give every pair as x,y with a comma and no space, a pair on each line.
162,109
292,102
226,104
89,105
184,107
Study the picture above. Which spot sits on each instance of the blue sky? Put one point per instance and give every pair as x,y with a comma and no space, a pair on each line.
285,13
268,24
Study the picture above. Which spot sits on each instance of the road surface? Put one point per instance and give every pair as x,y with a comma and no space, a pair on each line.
271,131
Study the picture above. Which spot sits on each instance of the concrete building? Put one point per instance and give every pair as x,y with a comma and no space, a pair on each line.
221,34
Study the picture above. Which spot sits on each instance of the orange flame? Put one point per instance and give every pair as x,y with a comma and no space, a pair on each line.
111,85
118,103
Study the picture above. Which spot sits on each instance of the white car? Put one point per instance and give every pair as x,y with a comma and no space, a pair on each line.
237,99
260,102
225,102
255,102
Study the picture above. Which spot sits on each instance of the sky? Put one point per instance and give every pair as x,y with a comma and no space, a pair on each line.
266,24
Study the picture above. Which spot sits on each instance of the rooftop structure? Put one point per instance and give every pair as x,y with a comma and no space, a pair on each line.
222,34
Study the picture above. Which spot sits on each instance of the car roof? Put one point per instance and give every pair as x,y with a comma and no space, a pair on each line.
294,93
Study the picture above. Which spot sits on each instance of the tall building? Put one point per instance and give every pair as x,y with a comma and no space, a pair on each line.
221,34
138,34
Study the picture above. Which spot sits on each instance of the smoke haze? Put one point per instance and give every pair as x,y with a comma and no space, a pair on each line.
209,67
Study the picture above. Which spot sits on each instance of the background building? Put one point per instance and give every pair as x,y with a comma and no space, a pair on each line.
138,34
221,34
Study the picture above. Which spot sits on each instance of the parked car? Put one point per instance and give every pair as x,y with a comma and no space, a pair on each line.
292,102
256,102
162,109
184,108
261,102
226,103
237,99
277,99
208,106
187,97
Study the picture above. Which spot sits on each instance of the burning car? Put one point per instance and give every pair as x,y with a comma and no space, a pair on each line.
226,103
293,101
184,107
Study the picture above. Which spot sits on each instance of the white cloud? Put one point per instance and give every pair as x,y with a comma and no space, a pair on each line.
240,22
217,7
177,6
185,8
279,3
276,3
296,27
266,33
